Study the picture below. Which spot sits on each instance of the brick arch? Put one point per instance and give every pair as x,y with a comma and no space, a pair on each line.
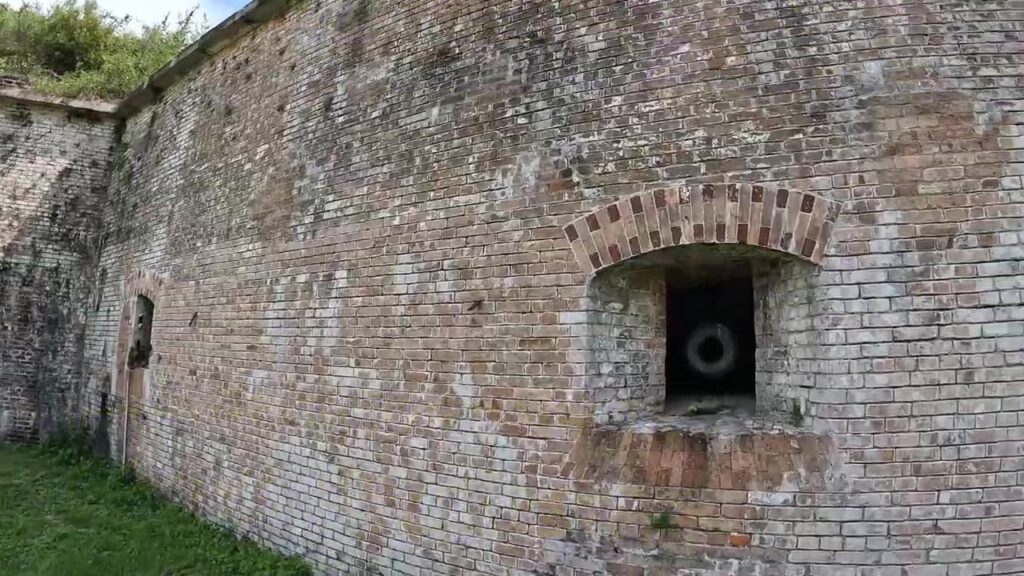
139,282
789,221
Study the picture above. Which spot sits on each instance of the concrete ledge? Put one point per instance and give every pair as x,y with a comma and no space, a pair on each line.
101,107
220,37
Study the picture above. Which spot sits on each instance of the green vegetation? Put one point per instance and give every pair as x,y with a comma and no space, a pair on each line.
662,521
77,50
66,514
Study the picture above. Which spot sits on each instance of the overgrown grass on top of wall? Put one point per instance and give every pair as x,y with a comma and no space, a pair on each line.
75,49
66,514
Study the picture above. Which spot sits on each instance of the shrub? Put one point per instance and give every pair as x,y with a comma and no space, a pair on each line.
75,49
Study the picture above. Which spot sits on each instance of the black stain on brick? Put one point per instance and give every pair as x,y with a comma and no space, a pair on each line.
781,198
21,115
445,54
534,38
786,239
707,192
807,204
833,212
757,193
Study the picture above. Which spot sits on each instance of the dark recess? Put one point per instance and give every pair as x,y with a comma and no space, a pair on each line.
706,318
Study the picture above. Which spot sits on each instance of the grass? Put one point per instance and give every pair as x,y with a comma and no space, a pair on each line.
62,513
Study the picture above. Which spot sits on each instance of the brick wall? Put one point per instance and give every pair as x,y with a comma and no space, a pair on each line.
375,347
54,163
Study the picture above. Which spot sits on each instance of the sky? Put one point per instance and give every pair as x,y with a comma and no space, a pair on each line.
152,11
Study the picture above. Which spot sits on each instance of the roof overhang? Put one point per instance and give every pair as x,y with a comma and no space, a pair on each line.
208,45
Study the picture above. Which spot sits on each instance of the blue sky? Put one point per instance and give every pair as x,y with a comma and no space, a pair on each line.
152,11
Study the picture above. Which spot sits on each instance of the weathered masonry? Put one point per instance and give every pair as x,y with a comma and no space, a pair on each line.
55,158
651,288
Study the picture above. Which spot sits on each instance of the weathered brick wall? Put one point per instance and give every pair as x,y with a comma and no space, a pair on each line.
622,342
374,346
54,164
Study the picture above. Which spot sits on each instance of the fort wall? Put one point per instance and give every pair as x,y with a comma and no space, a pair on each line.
409,265
54,164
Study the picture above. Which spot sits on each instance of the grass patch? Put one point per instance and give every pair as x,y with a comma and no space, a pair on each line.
64,513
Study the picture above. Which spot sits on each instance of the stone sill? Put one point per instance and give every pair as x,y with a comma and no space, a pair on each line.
715,425
718,451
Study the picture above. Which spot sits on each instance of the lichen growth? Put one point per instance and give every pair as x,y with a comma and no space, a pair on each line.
662,521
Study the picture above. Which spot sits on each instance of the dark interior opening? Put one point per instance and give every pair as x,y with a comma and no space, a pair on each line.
709,360
141,349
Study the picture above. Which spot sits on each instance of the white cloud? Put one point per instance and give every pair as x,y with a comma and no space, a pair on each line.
153,11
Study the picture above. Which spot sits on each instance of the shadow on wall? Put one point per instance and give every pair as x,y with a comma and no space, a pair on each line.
47,257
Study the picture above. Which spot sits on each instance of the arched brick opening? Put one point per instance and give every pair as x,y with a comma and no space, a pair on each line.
140,293
644,316
779,219
140,283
